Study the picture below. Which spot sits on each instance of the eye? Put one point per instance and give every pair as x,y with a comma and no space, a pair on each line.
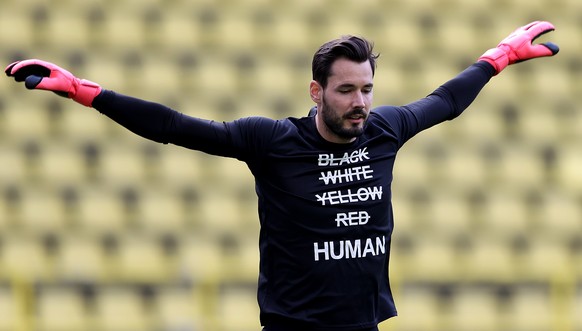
367,90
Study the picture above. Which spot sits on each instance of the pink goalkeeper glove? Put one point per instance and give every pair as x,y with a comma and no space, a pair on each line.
38,74
518,47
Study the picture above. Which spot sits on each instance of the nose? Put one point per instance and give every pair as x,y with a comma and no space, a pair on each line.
359,100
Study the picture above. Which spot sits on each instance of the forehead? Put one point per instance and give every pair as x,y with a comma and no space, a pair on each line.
344,71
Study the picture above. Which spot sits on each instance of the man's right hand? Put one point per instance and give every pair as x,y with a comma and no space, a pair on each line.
42,75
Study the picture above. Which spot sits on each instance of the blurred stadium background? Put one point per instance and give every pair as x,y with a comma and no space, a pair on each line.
101,230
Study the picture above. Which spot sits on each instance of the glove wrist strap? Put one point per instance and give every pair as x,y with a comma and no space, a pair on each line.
84,91
497,57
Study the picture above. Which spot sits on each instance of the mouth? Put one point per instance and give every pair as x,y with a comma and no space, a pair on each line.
356,117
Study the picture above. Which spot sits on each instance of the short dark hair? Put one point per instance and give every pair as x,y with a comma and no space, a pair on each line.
353,48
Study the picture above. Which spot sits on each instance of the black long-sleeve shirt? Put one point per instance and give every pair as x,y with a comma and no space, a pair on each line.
324,208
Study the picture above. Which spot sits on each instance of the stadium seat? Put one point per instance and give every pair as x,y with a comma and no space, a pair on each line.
24,258
140,259
160,211
575,311
42,211
13,169
60,33
79,125
59,165
474,309
200,259
121,165
61,309
178,308
432,259
545,259
101,211
11,310
418,309
489,260
505,214
449,214
21,34
26,118
529,309
82,259
559,215
133,36
120,308
238,309
219,212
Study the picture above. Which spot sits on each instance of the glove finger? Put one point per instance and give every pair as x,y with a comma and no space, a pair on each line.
539,29
44,83
32,81
8,70
529,25
552,47
539,50
20,73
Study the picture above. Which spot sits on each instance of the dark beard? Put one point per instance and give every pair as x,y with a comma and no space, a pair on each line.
335,122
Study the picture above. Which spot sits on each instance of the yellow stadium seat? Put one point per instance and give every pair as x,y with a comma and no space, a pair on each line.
489,259
101,211
179,167
432,259
521,167
42,211
159,211
79,124
545,259
26,119
560,215
238,309
61,164
18,30
235,33
242,263
465,168
568,174
61,309
215,78
120,309
529,309
200,259
24,257
412,169
133,36
82,259
449,213
121,165
576,308
13,164
506,214
419,309
109,72
179,308
11,310
67,30
474,309
140,259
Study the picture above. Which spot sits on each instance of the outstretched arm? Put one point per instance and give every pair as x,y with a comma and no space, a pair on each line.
452,98
150,120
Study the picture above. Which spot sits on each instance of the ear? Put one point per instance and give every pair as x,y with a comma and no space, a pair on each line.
316,91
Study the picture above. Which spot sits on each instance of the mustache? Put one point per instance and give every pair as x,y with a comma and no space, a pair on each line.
356,112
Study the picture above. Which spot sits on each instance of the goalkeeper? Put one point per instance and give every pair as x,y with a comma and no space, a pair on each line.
323,181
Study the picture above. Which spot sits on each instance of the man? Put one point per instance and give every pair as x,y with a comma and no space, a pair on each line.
322,181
